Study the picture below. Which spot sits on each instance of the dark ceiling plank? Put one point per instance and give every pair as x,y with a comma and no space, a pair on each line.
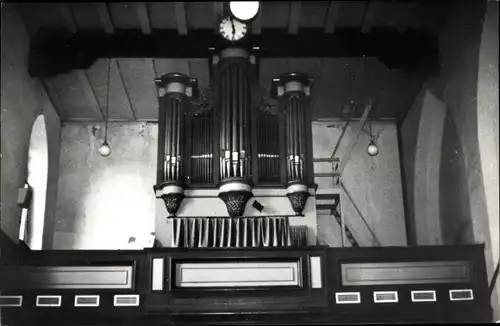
293,22
332,16
105,17
369,16
142,14
180,15
125,90
88,92
218,12
68,17
257,24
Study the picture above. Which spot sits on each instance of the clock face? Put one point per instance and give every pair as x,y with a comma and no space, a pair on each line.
232,29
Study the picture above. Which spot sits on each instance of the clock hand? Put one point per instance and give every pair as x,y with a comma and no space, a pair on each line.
234,30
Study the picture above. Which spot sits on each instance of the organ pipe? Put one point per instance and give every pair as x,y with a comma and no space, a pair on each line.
293,89
234,79
256,232
174,91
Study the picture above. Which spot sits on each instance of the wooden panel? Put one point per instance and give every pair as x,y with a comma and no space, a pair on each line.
360,274
70,277
143,16
75,95
313,13
138,76
198,14
238,274
332,16
68,18
275,14
40,15
119,105
294,20
105,17
162,15
180,16
124,15
86,15
351,13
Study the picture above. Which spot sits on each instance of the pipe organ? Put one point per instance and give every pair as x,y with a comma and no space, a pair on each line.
235,137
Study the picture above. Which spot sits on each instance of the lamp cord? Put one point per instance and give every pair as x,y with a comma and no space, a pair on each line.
107,103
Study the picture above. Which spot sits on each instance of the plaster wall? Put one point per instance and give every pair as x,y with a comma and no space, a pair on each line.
103,202
374,182
22,99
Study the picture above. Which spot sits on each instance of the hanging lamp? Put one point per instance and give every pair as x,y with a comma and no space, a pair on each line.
105,149
372,148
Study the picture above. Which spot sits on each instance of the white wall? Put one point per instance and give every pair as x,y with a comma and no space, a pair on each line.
374,182
103,201
22,99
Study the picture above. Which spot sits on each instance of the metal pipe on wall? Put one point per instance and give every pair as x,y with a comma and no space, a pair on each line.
289,141
234,132
301,139
180,134
242,110
175,144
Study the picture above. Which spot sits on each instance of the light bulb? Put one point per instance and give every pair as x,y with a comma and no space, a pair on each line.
372,149
104,149
244,10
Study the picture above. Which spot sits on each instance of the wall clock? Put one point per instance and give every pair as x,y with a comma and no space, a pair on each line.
232,29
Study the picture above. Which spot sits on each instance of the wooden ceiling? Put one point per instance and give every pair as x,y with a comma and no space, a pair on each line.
79,95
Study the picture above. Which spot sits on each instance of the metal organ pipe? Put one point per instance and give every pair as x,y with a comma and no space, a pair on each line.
176,89
293,89
233,80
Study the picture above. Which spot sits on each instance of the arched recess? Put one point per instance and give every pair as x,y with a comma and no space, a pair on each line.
427,168
37,178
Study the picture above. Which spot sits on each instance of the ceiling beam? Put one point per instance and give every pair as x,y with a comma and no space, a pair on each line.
143,15
53,52
180,16
294,19
69,19
332,16
88,91
105,17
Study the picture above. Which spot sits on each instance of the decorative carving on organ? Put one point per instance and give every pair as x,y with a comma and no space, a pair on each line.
293,90
234,82
174,92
